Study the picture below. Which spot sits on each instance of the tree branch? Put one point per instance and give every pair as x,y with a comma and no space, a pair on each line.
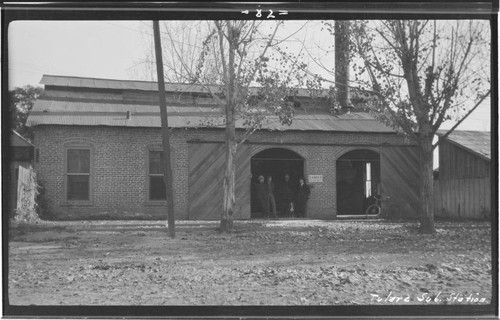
461,120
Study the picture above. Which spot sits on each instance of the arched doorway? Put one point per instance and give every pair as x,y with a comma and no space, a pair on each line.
274,162
358,180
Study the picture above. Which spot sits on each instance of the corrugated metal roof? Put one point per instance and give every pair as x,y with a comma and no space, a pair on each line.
78,82
478,142
51,112
71,107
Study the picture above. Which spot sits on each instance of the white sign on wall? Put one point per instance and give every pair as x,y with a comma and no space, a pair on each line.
315,178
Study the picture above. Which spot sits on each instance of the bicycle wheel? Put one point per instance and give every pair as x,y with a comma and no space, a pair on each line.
373,210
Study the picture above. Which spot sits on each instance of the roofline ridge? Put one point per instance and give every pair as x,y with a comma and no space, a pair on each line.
444,131
130,80
94,78
156,82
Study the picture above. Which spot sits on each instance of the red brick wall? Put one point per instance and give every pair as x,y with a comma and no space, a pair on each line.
120,160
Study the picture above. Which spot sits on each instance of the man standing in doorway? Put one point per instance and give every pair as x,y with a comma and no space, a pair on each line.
262,195
303,192
270,195
287,195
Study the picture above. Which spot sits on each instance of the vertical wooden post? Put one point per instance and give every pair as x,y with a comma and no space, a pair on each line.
167,169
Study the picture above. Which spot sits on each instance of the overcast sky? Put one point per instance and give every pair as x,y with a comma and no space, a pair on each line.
103,49
99,49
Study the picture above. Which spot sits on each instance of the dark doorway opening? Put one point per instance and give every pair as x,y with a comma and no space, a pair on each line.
274,162
358,181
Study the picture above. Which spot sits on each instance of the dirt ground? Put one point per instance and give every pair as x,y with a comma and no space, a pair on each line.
265,262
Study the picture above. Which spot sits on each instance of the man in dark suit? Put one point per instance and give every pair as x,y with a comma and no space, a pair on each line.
262,195
303,192
287,194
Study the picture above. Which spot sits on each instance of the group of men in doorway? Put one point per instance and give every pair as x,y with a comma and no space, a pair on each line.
289,198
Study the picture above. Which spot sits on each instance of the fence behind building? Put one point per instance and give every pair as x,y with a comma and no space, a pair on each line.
26,190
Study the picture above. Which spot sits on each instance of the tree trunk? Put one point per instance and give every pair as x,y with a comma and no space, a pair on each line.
226,223
427,186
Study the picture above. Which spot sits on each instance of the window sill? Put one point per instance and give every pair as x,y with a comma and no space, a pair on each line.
158,203
77,204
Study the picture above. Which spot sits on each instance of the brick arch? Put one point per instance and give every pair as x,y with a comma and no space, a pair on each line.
297,150
154,146
344,150
259,148
77,142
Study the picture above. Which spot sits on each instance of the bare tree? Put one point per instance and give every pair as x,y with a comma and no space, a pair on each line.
423,73
231,61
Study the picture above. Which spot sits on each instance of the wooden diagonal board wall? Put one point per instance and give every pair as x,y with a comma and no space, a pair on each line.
206,173
400,181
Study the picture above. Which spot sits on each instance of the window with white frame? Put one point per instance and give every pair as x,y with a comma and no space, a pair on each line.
78,174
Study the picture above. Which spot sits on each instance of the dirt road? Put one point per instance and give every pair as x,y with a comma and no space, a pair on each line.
265,262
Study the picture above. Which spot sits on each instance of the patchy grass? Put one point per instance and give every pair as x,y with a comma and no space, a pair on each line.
265,262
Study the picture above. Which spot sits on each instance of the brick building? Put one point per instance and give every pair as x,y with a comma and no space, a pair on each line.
99,147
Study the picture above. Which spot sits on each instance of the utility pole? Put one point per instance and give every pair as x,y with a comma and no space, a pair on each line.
167,169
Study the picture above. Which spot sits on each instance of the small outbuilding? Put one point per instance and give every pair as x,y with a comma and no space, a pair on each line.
463,185
99,149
